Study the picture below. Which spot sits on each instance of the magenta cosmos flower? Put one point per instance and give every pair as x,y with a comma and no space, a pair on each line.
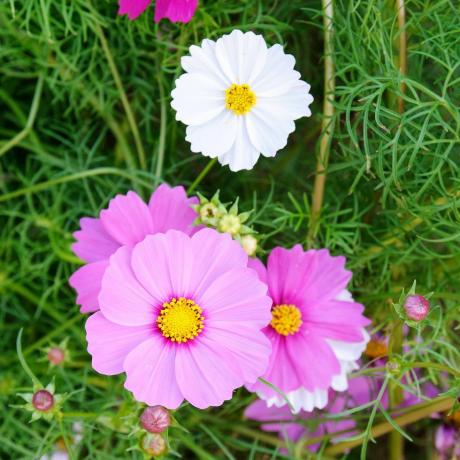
127,221
182,316
174,10
317,330
292,428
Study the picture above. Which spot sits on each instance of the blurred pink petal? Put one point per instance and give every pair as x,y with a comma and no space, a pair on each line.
175,10
133,8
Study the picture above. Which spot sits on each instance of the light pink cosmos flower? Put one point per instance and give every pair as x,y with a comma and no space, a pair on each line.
174,10
317,330
127,221
182,316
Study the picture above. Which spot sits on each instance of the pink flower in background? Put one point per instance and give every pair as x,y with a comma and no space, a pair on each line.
317,330
174,10
293,428
182,316
127,221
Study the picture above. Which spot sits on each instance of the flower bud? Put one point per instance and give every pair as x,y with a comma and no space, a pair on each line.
208,212
56,355
43,400
393,367
153,444
249,244
416,307
155,419
230,224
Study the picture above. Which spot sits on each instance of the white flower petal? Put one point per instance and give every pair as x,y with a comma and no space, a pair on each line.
300,399
268,132
242,155
197,99
203,60
215,137
278,75
241,56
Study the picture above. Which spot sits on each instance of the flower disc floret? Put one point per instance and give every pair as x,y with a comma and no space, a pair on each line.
180,320
286,319
240,99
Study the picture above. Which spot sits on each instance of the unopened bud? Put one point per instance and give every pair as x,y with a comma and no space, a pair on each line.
393,367
208,211
230,224
56,355
153,444
249,244
155,419
416,307
43,400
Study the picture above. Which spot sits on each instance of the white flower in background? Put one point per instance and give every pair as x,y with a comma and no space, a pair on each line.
239,98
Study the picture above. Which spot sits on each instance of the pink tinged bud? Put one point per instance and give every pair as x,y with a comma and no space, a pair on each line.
43,400
417,307
153,444
56,355
155,419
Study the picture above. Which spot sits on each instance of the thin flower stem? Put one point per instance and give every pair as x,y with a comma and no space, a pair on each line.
416,412
162,137
23,362
328,119
396,441
30,120
123,97
202,175
401,11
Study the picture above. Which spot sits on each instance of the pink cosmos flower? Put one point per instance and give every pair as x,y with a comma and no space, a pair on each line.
182,316
127,221
174,10
317,330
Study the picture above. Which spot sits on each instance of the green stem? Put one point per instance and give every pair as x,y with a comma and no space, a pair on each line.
123,97
23,362
195,448
162,138
202,175
327,128
30,120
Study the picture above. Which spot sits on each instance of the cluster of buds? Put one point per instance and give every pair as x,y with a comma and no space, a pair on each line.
43,402
413,308
154,421
213,213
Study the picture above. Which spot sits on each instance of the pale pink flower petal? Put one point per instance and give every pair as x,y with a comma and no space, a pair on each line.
133,8
127,219
171,209
259,267
110,343
93,242
87,282
122,299
205,377
175,10
151,375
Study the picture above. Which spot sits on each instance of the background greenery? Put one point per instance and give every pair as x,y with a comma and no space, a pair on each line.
85,114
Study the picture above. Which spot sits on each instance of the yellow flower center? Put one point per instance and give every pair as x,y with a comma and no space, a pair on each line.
239,99
286,319
180,320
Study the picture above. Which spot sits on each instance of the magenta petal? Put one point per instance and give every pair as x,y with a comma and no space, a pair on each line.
171,209
127,219
205,378
235,298
175,10
259,267
122,299
109,343
150,373
313,360
87,282
93,242
133,8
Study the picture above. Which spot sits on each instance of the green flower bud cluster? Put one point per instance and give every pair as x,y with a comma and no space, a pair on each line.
215,214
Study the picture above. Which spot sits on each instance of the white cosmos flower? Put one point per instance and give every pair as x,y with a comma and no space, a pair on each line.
239,98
